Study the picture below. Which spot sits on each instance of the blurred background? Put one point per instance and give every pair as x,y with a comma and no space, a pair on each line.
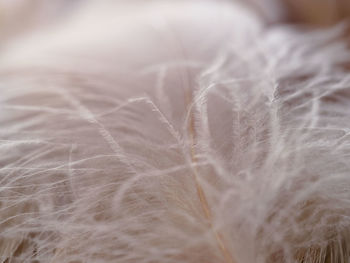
317,13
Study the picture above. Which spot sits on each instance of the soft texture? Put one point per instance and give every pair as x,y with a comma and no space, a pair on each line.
167,132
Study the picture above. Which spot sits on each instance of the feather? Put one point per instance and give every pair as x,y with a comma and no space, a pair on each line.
174,132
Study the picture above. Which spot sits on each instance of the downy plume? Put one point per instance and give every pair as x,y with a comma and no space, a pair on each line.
168,132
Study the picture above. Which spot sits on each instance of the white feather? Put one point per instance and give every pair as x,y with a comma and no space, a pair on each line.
174,132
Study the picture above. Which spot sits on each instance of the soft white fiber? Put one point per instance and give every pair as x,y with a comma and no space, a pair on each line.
167,132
